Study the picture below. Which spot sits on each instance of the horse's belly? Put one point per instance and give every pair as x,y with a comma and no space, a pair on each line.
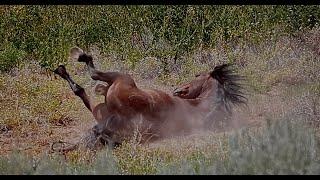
118,99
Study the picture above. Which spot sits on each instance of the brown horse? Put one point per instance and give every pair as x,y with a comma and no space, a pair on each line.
218,90
227,87
155,112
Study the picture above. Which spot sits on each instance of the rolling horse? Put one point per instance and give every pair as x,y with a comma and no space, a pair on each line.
155,113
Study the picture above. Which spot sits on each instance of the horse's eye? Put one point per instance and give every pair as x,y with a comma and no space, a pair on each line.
197,75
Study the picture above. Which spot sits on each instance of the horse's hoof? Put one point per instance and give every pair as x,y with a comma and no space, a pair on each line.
61,71
116,144
85,58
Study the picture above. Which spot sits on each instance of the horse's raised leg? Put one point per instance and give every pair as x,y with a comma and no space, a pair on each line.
78,90
95,74
80,56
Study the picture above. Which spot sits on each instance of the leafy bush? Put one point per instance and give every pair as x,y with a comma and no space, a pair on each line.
134,32
10,57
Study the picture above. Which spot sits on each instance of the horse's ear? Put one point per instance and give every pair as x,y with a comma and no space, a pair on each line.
75,52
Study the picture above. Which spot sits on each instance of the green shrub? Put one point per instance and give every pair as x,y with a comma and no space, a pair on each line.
47,32
10,57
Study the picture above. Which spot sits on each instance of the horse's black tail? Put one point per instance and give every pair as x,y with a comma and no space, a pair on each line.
230,90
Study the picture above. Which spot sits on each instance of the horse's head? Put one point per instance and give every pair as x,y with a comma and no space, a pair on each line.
221,80
194,88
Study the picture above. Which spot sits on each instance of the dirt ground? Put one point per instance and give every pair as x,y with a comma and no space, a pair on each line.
39,141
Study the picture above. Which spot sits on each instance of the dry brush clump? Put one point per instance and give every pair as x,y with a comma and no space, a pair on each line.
285,146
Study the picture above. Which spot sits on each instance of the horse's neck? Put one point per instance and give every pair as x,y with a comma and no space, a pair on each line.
207,96
194,102
209,90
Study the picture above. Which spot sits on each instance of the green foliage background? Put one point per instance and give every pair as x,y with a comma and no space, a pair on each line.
45,33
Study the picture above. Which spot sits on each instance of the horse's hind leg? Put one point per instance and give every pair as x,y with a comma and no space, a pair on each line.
95,74
78,90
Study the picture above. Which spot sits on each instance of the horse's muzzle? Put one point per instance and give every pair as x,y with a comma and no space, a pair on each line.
179,92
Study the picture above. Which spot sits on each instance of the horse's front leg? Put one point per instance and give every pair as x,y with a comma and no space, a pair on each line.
78,90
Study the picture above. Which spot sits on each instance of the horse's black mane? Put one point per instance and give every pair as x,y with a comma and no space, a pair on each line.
231,90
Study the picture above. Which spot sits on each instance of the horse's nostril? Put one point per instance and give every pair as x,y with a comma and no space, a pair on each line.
180,92
176,92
